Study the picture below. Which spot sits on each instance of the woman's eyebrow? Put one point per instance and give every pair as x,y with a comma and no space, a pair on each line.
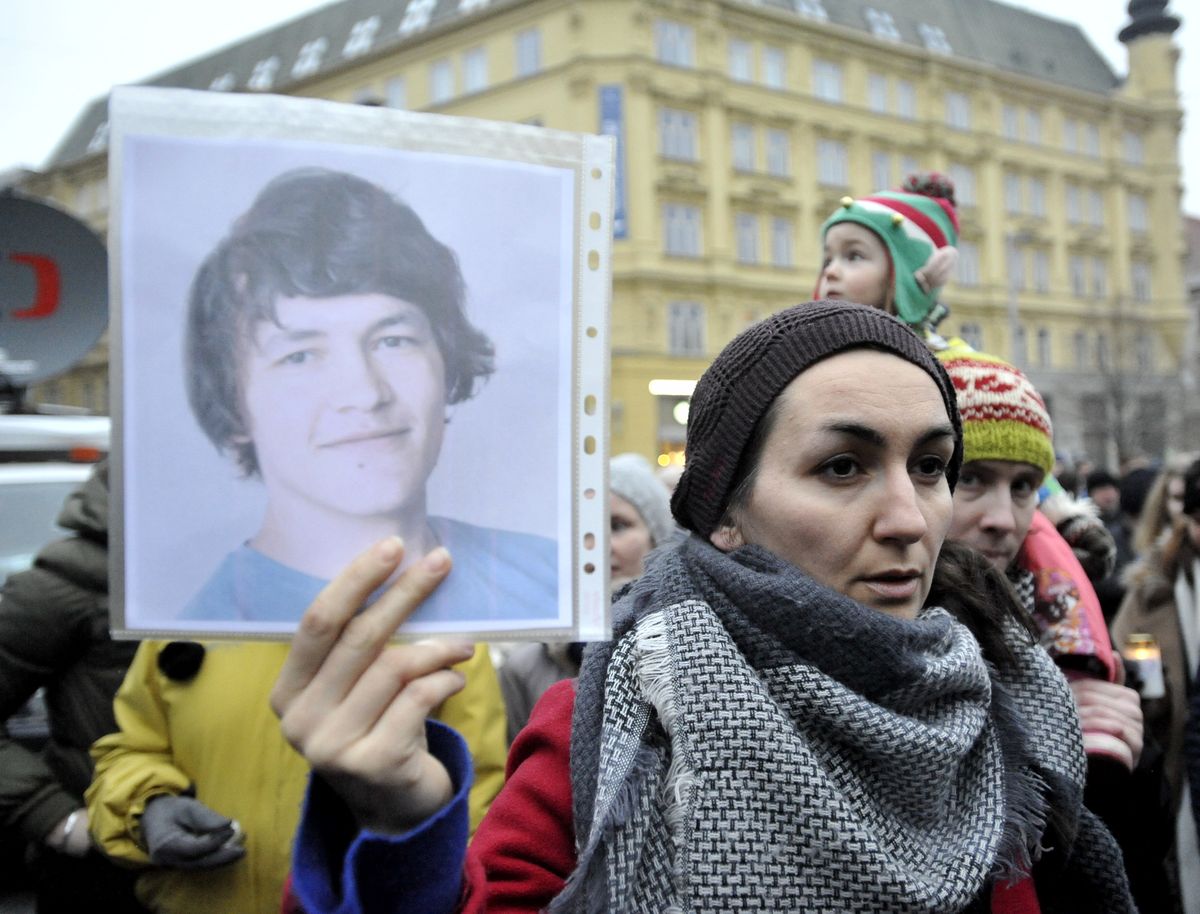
855,430
872,436
937,433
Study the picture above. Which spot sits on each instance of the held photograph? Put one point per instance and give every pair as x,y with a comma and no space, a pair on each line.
325,343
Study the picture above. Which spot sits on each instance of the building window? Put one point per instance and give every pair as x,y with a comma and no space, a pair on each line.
1009,121
1076,267
682,236
362,36
782,243
1016,267
963,177
972,335
685,328
475,70
1037,197
774,67
743,147
831,163
677,134
1071,134
1079,348
1041,271
1144,353
1043,347
263,75
1012,193
967,268
1033,126
779,153
741,60
1138,213
396,92
877,93
827,80
308,61
441,81
811,9
934,38
1074,206
1103,356
1139,277
529,52
958,111
1091,140
882,24
881,170
908,165
222,83
1135,151
746,228
906,99
673,43
1020,347
416,16
1095,207
470,6
1099,278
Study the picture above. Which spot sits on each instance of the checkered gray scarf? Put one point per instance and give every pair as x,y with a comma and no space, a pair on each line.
751,740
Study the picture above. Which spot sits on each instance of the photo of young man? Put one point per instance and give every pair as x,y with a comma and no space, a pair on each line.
326,338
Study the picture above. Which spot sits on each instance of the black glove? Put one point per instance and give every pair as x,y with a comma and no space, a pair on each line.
184,833
1092,544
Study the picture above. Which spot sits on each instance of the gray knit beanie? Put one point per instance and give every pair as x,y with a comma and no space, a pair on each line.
633,478
743,381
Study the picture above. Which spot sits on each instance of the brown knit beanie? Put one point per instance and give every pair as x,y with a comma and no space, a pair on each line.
740,385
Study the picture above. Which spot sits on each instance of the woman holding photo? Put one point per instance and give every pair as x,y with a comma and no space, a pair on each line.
811,703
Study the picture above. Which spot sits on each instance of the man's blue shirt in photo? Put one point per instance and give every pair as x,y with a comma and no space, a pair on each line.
496,574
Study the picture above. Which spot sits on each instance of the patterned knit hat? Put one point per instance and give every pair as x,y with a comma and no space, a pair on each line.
1003,416
744,380
631,477
919,227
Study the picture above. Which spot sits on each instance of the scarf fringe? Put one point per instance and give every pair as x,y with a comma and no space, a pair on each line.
658,688
1025,809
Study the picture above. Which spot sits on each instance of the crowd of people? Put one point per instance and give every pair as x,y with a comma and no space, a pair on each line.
867,654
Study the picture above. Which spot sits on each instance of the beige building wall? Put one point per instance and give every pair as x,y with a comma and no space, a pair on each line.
734,153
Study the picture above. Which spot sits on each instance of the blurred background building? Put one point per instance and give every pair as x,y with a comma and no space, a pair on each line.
741,124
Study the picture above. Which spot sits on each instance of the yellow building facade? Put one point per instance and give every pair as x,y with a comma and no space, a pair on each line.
742,124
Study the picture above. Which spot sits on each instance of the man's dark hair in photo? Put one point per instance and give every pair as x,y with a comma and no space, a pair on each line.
318,233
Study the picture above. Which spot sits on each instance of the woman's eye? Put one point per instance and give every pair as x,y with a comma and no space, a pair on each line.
967,479
395,341
1023,488
931,466
840,467
619,525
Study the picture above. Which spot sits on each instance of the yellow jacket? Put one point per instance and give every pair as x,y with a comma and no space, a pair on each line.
217,733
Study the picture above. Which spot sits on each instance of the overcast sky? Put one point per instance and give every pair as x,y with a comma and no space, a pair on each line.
60,54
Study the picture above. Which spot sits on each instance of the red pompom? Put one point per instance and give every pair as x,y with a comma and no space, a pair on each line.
931,184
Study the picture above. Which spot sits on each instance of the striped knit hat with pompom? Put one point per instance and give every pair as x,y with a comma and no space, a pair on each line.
1003,416
918,225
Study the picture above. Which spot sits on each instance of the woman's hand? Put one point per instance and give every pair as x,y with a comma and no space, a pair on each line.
1111,716
354,707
